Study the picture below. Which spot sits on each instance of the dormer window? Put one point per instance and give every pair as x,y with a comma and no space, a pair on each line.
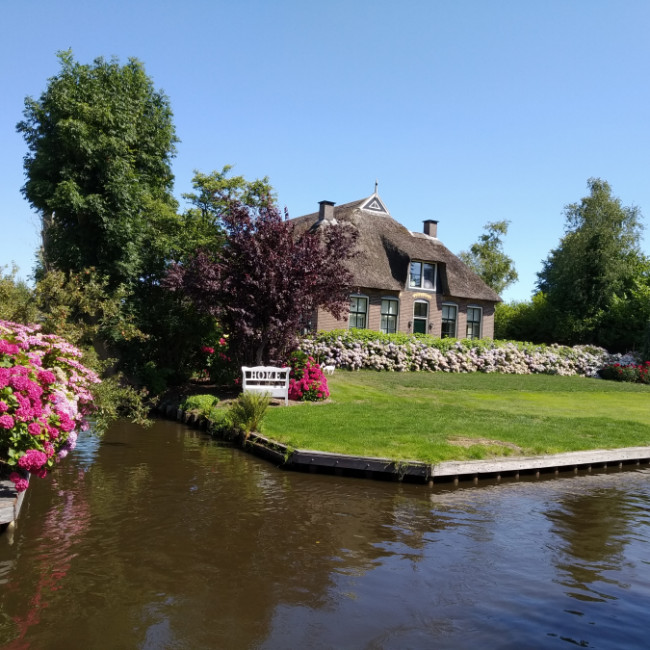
422,276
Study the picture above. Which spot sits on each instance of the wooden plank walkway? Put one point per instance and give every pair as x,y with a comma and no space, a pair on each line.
575,460
10,502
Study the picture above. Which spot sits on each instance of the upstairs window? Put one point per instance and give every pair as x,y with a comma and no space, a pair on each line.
420,316
449,317
389,313
473,322
422,276
358,311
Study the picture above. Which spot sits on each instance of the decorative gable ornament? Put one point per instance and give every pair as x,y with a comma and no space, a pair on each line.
375,204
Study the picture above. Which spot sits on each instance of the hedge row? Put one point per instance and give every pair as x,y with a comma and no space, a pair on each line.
357,349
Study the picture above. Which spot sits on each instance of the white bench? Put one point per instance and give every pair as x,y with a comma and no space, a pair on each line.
267,379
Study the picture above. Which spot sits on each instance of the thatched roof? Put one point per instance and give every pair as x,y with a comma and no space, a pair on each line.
386,249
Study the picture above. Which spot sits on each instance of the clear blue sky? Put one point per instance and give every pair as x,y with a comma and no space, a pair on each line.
466,112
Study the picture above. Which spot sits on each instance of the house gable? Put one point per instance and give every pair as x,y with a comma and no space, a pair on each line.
375,204
385,251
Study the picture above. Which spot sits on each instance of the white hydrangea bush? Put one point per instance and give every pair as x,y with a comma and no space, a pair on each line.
361,349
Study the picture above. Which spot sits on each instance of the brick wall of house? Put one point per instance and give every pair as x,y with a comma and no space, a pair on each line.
326,322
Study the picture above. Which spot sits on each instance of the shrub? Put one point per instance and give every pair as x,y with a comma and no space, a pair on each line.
44,399
218,366
204,404
156,379
307,381
219,422
356,349
248,411
631,372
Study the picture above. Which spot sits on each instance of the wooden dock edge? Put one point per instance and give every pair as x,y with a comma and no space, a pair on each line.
418,471
10,503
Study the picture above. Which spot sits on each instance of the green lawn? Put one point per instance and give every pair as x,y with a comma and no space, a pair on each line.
419,416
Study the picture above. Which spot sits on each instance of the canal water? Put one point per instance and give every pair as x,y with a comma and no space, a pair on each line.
163,538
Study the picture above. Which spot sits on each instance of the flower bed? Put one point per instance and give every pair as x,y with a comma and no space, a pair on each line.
355,350
307,382
635,373
44,400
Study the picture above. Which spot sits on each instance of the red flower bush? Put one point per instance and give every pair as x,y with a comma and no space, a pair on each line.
218,366
632,373
306,380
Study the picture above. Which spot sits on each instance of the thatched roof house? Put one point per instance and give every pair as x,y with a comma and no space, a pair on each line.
405,281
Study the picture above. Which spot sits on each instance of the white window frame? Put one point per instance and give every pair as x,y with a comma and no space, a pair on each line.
421,287
362,297
442,311
480,322
383,329
421,301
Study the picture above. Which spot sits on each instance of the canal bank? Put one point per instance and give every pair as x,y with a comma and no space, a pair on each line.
417,471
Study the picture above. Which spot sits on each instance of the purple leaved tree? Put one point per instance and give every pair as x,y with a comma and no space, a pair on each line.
265,283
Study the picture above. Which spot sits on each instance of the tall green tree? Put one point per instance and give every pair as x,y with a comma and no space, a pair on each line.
487,259
597,267
203,226
100,142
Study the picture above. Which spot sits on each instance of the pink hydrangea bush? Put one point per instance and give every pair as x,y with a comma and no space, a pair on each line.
45,398
306,379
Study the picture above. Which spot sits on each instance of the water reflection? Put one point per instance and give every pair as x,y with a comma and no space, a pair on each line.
594,530
164,539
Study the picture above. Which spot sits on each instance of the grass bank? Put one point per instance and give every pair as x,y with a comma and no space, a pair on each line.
435,417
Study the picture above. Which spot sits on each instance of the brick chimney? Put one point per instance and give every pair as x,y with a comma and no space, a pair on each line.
326,210
431,228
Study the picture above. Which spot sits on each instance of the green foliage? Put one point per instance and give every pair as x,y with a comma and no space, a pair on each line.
487,259
220,423
117,399
85,310
204,404
248,411
524,321
154,378
212,196
100,140
17,303
591,278
199,402
351,336
630,373
81,307
645,353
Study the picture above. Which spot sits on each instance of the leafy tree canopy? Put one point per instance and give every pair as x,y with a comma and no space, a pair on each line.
487,259
265,283
17,302
597,265
100,140
213,194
